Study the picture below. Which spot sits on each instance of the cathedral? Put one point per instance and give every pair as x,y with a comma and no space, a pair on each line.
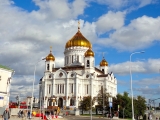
78,78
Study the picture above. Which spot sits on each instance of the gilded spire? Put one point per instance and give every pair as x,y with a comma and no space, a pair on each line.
50,56
78,25
50,49
103,55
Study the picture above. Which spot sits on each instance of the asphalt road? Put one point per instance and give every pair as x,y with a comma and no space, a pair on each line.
64,118
84,118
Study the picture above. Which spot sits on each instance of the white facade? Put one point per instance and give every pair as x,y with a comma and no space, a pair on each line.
5,81
77,79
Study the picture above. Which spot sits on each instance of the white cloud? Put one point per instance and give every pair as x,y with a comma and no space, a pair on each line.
125,4
109,21
140,33
26,37
151,66
59,9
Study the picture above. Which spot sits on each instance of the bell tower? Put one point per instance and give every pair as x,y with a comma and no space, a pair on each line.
50,61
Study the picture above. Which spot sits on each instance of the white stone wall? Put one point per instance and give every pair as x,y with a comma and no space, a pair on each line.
83,84
5,80
74,51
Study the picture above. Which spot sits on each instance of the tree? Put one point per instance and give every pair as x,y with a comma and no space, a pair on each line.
102,98
139,106
124,101
86,103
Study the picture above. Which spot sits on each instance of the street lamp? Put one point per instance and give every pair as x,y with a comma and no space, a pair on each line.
131,81
91,102
33,84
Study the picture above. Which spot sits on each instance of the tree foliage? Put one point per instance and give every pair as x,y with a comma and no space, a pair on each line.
86,103
139,106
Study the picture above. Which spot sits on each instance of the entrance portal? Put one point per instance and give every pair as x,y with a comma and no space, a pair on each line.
60,102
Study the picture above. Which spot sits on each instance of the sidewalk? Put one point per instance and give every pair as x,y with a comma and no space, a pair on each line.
33,118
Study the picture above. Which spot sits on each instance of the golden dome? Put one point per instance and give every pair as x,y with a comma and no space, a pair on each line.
50,57
88,53
78,40
103,63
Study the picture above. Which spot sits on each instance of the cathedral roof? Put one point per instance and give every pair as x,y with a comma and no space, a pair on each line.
50,57
103,63
89,53
78,40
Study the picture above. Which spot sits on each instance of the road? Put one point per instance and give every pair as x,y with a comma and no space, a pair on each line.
85,118
65,118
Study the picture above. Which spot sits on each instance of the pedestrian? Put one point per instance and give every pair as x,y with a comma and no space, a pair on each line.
28,115
6,114
22,114
19,113
150,116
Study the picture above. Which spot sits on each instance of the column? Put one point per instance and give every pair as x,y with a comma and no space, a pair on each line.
76,92
53,85
66,91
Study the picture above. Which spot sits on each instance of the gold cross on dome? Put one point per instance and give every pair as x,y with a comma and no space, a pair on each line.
50,48
78,24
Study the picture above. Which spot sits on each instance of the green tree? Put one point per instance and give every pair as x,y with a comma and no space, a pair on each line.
139,106
124,101
102,99
86,103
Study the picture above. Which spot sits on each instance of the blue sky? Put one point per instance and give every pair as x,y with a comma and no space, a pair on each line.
117,28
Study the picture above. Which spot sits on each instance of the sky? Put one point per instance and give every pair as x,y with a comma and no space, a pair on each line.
116,28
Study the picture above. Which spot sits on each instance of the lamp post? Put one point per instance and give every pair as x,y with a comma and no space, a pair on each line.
91,100
33,85
131,82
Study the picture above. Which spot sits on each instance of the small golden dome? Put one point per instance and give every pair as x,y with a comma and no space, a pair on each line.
103,63
50,57
78,40
89,53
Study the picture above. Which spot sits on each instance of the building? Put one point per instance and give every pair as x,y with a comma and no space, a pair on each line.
78,78
5,81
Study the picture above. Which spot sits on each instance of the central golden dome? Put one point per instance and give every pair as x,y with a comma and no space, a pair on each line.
78,40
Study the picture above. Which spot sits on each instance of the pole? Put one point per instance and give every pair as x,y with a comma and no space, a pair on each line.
40,104
103,99
110,113
131,82
123,113
91,100
33,85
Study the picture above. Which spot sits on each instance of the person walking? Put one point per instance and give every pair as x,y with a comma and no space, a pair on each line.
6,114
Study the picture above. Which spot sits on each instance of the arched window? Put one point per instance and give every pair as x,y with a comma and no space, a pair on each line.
47,66
77,58
72,58
88,63
103,70
67,60
71,102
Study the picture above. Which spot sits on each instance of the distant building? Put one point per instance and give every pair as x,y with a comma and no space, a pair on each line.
5,81
79,78
34,104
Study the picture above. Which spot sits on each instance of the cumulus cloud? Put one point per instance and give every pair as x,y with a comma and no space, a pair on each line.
140,33
26,37
110,21
125,4
59,9
150,66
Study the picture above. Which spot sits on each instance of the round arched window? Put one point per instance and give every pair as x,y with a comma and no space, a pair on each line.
60,74
87,76
72,75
